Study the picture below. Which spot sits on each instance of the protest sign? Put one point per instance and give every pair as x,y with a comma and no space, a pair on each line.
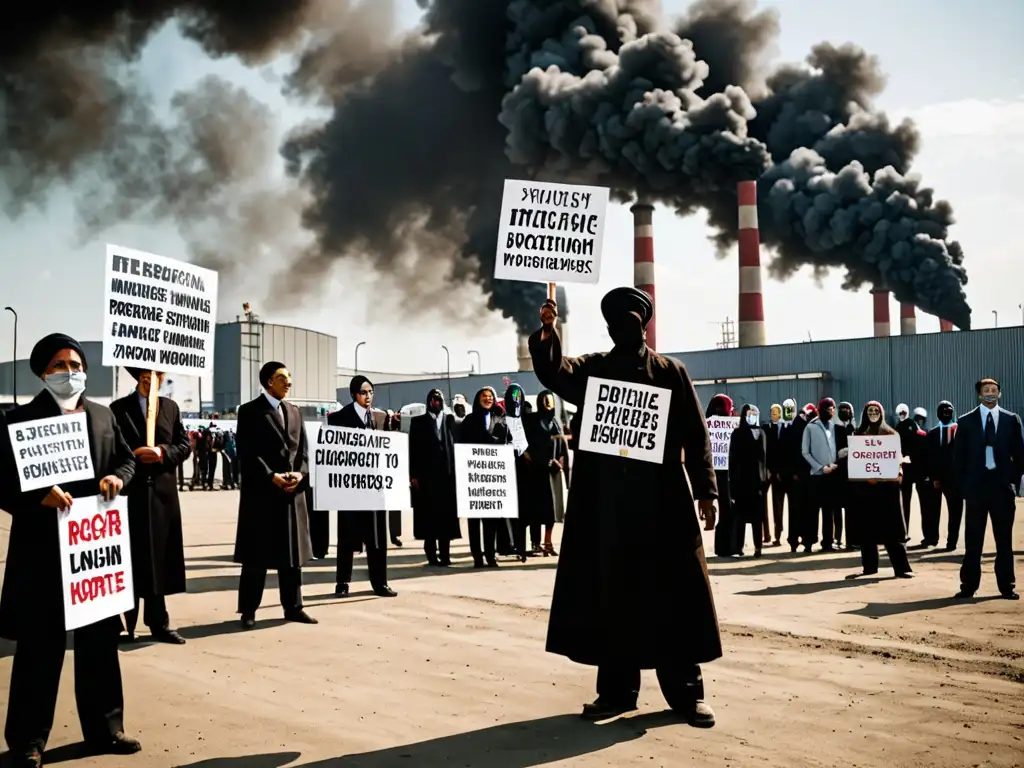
485,481
159,314
624,419
52,451
874,457
96,560
356,469
721,428
518,435
550,233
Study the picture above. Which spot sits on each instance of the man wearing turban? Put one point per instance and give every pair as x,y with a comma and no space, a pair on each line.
627,595
32,603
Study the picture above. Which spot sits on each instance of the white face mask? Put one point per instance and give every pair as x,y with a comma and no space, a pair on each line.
65,385
752,418
902,416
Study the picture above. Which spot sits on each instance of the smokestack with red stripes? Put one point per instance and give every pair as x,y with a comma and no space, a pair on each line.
643,259
751,309
880,296
908,319
945,325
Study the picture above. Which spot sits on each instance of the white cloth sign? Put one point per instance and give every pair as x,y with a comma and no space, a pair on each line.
485,481
720,428
159,314
874,457
96,560
353,469
52,451
551,232
625,419
518,434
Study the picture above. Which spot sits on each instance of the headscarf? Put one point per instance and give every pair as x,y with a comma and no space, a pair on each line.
902,408
546,416
476,400
434,393
849,407
877,428
810,412
717,403
356,384
514,401
755,431
48,346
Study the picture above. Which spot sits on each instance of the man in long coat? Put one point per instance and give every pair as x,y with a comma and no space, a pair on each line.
273,523
432,474
32,603
632,589
154,514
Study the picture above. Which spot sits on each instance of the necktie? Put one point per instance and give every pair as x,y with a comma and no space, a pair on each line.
369,419
990,430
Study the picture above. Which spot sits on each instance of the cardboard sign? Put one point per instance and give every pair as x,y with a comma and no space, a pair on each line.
52,451
485,481
159,314
720,428
551,233
624,419
353,469
96,560
518,435
874,457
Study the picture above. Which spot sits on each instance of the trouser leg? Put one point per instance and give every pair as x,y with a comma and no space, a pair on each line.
99,695
343,567
778,507
618,683
906,493
955,510
682,685
492,530
154,613
476,539
1002,530
869,555
444,551
251,583
32,697
131,618
377,566
897,552
289,587
974,541
395,523
430,550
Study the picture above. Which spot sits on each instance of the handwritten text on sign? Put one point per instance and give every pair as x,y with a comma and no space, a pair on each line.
874,457
485,481
159,313
96,561
550,232
50,452
356,469
627,420
720,429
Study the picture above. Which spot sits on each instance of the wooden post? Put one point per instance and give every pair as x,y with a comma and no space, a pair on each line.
551,297
152,404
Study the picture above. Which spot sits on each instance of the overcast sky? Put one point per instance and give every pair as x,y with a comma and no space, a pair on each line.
955,67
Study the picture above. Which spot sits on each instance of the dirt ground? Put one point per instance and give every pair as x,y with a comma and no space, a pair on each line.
818,671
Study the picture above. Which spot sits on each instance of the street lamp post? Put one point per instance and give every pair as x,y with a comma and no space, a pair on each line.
361,343
448,368
14,366
479,364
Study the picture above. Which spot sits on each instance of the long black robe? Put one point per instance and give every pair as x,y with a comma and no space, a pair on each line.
33,591
632,583
543,431
748,478
154,514
432,465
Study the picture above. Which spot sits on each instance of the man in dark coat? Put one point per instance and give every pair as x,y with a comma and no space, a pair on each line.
432,475
273,524
368,528
158,548
632,589
942,472
32,603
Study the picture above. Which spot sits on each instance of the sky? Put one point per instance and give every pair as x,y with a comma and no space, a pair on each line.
956,68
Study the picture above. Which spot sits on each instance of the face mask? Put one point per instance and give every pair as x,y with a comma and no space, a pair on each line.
65,385
874,417
990,400
789,413
845,416
902,416
627,332
945,416
434,406
752,419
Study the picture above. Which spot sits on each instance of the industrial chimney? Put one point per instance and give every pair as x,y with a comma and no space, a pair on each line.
643,259
908,319
751,308
880,296
945,325
523,353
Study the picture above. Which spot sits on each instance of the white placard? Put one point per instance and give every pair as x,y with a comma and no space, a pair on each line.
518,435
625,419
874,457
720,428
159,314
52,451
353,469
551,232
96,560
485,481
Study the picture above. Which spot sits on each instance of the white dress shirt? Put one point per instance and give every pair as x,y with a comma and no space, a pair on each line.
984,410
274,402
361,412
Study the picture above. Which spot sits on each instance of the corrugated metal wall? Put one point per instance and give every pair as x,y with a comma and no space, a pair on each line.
311,357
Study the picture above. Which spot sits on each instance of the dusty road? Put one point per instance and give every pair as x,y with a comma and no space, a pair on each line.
818,671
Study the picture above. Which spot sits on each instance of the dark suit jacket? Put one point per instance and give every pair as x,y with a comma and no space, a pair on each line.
941,461
432,465
33,591
773,437
975,481
273,526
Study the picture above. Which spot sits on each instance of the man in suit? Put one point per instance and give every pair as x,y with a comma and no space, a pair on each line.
32,603
158,549
989,458
432,476
773,433
362,528
273,523
942,473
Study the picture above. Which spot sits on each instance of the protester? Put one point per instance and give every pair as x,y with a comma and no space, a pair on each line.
484,425
776,477
32,604
748,475
821,452
158,548
942,472
544,470
512,534
632,589
797,471
846,427
432,438
914,456
727,534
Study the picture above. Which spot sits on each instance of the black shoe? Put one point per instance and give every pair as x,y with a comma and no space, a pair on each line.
1011,595
445,563
248,622
341,590
905,575
792,547
807,549
169,636
30,758
699,715
757,553
963,594
949,548
478,563
603,709
118,744
433,562
492,563
384,591
299,617
397,542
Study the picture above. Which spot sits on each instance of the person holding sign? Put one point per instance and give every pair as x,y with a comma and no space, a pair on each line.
513,534
632,589
32,604
545,463
748,476
484,425
158,548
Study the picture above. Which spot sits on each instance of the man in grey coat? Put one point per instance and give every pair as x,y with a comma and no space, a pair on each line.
820,451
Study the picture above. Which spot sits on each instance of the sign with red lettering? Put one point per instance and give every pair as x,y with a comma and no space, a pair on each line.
96,561
51,451
874,457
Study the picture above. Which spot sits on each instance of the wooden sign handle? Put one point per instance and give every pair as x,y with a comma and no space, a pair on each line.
551,291
152,404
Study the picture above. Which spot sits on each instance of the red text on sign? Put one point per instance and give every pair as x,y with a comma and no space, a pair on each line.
94,587
95,528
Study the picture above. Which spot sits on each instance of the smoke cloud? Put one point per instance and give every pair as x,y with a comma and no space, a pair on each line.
405,173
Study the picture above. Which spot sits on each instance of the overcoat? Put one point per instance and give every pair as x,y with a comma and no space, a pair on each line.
154,514
33,591
748,475
359,527
273,526
632,583
432,465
